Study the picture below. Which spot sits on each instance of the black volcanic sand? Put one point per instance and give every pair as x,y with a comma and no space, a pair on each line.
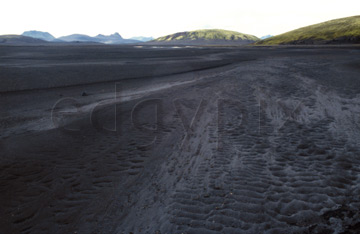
198,140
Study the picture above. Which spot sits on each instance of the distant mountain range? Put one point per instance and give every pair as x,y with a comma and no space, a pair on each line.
143,39
266,37
77,38
207,36
338,31
111,39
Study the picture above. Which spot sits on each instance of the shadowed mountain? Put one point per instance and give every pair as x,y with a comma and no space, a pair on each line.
17,39
207,36
39,35
338,31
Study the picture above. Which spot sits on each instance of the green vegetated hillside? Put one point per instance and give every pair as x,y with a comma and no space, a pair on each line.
344,30
207,35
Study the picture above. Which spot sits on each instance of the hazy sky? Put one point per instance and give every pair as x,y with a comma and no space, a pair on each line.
162,17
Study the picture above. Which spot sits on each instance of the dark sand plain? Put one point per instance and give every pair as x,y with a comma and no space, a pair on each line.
137,139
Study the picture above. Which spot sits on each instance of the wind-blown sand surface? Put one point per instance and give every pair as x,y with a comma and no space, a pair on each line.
185,140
